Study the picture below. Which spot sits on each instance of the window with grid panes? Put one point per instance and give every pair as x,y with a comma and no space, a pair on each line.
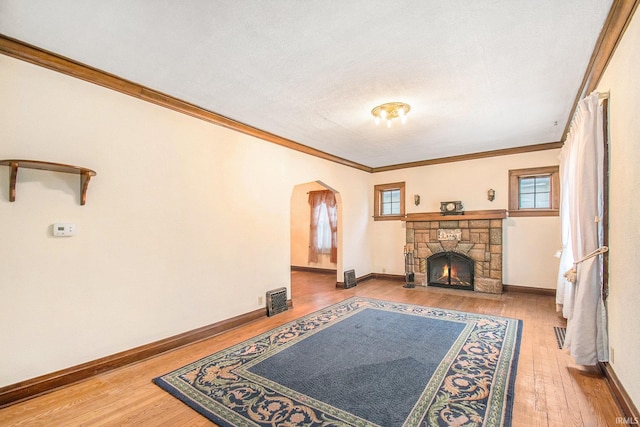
389,201
534,191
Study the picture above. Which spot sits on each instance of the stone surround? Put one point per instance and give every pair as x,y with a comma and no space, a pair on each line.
479,239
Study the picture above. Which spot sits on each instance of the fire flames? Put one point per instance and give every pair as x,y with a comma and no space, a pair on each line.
445,273
454,279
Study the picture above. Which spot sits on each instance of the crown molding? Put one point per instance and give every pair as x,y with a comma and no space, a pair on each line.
54,62
472,156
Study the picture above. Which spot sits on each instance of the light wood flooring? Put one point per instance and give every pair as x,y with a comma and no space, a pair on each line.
550,389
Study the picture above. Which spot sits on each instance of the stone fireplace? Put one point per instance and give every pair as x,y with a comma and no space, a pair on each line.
443,246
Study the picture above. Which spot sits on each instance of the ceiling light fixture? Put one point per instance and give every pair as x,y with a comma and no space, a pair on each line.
390,111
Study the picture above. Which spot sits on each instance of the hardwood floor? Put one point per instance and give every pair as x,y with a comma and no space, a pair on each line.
550,389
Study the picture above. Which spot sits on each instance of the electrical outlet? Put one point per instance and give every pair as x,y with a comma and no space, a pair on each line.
611,355
260,300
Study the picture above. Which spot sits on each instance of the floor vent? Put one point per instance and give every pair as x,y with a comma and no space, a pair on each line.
350,279
276,301
560,335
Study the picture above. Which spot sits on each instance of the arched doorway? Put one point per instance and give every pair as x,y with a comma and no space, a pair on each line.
300,230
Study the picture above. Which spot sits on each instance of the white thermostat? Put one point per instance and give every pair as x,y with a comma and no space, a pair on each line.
64,229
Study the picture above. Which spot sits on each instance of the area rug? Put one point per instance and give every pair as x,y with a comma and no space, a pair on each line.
361,362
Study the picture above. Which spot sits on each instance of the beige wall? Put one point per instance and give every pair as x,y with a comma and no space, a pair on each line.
530,243
185,224
621,79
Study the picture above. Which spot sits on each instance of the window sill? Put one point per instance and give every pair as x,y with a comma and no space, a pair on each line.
388,217
534,212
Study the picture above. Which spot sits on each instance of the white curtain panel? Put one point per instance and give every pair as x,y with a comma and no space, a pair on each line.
581,169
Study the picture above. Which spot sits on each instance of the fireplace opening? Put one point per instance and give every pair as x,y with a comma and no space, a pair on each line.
450,270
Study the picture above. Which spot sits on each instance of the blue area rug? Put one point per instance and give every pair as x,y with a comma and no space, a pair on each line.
361,362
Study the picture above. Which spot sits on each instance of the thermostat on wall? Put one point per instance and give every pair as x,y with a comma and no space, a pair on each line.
64,229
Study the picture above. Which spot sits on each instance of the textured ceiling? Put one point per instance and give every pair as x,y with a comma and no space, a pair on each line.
479,75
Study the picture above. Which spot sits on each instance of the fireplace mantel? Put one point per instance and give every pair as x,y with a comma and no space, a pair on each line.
468,215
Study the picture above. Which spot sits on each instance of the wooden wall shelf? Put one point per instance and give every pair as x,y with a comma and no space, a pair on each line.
468,215
85,174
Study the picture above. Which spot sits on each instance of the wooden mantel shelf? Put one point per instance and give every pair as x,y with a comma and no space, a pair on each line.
85,174
468,215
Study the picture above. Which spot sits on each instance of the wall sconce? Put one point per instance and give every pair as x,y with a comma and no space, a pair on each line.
491,194
416,199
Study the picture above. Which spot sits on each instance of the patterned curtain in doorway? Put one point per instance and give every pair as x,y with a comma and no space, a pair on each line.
323,227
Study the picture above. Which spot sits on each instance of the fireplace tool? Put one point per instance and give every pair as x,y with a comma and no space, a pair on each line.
408,269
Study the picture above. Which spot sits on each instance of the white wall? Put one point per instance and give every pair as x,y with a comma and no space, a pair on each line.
621,79
529,243
186,223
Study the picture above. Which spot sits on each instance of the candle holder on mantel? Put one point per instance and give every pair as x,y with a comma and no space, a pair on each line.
408,269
